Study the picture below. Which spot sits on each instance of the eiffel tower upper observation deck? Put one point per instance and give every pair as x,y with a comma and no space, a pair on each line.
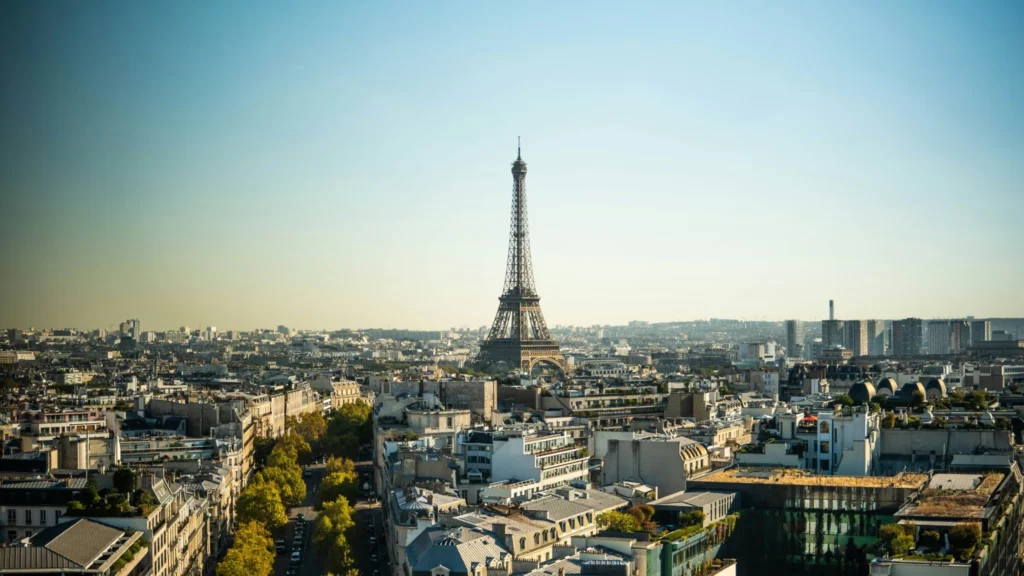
519,337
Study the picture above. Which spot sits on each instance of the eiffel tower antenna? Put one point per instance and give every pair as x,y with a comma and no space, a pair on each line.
519,336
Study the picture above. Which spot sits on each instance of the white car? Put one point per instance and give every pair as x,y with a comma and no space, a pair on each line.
296,556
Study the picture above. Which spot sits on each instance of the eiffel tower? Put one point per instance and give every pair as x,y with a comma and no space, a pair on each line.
519,337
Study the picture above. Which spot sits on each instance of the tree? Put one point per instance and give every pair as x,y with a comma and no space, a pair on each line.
963,538
889,422
261,503
125,480
898,538
692,518
930,540
312,426
262,447
335,464
618,521
917,399
843,400
643,515
288,481
339,485
292,445
349,429
331,534
251,553
979,400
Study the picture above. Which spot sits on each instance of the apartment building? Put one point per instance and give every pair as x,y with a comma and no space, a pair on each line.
654,459
27,507
552,459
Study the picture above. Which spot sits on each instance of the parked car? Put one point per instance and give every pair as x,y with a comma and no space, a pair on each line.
296,556
279,546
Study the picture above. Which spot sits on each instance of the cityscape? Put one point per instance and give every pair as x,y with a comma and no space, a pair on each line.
792,438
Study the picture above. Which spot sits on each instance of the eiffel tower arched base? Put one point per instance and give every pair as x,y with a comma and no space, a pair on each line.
522,356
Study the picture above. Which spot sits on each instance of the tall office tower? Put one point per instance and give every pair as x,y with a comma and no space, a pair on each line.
981,331
519,337
907,335
855,337
876,337
795,338
960,335
831,333
939,340
831,310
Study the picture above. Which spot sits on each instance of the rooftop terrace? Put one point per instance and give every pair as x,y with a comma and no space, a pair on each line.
956,495
793,477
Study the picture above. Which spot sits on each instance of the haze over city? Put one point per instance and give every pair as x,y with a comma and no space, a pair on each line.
338,165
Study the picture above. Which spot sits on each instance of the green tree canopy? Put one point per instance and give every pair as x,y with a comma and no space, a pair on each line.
251,553
312,426
335,464
287,480
843,400
331,533
291,444
261,503
125,480
619,521
339,485
349,429
963,539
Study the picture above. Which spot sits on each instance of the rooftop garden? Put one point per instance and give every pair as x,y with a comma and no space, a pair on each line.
906,542
111,502
716,532
129,554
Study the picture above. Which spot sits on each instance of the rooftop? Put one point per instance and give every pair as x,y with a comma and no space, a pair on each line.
956,495
793,477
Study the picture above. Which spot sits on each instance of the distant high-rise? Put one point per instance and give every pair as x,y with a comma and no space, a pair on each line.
960,335
907,337
939,337
876,337
795,338
855,336
831,310
981,331
831,333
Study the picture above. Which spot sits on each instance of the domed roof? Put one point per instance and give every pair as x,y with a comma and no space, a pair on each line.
936,383
908,390
887,383
862,392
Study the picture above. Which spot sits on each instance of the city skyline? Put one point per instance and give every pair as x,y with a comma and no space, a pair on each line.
347,166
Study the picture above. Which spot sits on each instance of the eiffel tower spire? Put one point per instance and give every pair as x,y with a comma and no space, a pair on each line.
519,336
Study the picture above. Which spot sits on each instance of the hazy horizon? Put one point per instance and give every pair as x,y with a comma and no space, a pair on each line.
245,165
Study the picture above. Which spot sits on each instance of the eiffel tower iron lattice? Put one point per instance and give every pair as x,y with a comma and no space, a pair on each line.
519,337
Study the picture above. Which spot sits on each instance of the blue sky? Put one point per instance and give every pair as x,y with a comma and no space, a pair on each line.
332,164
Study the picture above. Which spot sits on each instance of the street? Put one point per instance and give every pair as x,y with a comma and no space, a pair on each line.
367,547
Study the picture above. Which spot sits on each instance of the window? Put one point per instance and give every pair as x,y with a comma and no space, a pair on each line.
12,535
12,516
28,517
42,517
450,422
825,446
522,543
